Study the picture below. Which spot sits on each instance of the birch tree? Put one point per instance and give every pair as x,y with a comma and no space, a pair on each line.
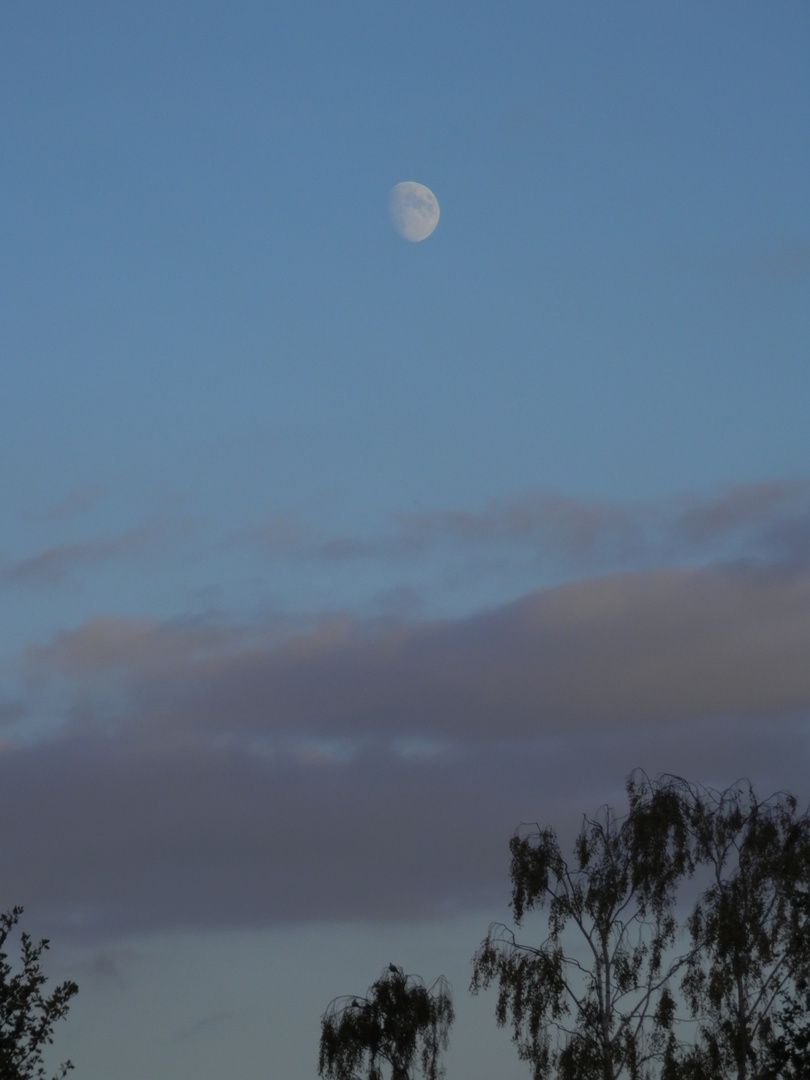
590,998
399,1026
747,977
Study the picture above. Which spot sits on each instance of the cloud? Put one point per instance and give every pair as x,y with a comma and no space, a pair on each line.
531,534
11,713
119,836
237,776
54,565
742,521
134,837
634,649
77,502
214,774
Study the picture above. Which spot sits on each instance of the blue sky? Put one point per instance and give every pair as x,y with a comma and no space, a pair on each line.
303,523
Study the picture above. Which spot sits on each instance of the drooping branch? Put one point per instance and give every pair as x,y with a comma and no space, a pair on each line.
401,1023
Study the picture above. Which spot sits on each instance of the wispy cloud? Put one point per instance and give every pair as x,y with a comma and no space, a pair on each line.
53,566
77,502
743,521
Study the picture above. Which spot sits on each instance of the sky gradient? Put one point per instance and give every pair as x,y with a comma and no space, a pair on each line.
327,559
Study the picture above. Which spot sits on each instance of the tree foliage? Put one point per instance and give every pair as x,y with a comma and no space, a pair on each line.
401,1023
591,999
27,1015
749,966
790,1047
617,986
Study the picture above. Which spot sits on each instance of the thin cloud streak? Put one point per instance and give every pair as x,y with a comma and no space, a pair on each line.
77,502
54,565
743,522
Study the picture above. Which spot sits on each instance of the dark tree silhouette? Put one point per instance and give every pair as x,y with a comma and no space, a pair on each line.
616,987
27,1016
589,999
747,977
400,1024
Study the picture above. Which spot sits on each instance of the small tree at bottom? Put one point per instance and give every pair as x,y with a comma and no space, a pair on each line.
400,1023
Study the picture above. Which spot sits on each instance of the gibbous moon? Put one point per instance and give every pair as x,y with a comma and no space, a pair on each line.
414,210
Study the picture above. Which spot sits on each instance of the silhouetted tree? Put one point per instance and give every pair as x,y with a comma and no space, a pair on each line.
27,1016
590,999
400,1023
595,998
747,976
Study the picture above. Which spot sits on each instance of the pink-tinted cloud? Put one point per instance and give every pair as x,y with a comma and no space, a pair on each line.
630,649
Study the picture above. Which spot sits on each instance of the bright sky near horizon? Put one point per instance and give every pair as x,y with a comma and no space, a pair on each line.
327,558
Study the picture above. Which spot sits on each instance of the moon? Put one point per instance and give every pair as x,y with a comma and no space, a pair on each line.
414,210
